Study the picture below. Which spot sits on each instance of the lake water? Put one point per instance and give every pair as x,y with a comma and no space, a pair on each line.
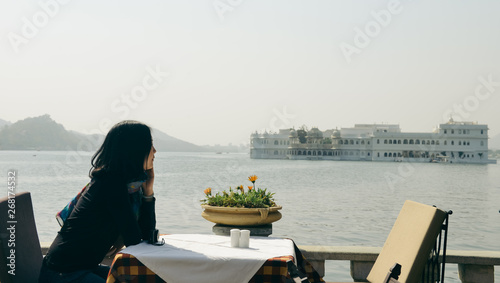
338,203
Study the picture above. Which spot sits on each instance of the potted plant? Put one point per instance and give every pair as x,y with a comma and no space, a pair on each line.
240,207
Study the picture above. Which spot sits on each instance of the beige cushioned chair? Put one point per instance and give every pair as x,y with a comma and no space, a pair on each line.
409,243
28,254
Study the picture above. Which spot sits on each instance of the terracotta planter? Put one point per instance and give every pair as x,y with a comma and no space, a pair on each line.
238,216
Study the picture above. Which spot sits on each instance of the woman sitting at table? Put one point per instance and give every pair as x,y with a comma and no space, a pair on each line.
117,203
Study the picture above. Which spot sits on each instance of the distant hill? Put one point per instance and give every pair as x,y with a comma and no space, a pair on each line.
40,133
4,123
164,142
43,133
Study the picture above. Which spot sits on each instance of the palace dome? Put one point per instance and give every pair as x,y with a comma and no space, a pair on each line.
314,133
336,134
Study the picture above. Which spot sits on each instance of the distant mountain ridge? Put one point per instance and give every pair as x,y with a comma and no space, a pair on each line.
43,133
164,142
39,133
4,123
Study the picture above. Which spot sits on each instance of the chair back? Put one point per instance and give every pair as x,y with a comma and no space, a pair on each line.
20,252
409,243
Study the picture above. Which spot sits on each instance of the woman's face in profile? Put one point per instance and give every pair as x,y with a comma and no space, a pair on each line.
148,162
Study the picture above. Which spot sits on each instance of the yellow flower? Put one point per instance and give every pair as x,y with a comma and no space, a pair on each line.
250,188
208,191
252,178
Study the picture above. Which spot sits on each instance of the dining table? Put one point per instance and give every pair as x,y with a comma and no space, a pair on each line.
186,258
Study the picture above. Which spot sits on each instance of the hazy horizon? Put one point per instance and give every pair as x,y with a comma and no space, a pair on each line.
213,72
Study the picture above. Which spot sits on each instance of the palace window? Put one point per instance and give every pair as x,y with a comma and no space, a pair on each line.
385,154
459,142
482,143
445,131
352,142
411,141
481,132
378,141
405,141
399,141
452,142
390,141
445,142
433,142
452,131
385,141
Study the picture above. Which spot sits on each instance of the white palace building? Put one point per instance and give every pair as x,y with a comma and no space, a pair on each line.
452,142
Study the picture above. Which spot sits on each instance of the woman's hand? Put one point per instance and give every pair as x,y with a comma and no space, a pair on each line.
148,185
115,248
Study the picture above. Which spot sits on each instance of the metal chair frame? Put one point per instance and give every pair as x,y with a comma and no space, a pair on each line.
432,268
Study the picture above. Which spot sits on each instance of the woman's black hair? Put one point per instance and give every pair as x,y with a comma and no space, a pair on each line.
123,151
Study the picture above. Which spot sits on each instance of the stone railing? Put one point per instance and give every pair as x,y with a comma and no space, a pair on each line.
473,266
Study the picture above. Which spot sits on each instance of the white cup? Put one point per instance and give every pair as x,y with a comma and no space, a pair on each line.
244,238
235,238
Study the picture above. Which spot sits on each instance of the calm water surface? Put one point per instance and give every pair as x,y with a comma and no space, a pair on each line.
324,202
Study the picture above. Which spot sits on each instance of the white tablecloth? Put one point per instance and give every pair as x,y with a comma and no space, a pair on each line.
199,258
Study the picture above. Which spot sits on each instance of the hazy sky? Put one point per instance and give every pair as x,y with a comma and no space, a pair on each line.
215,71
